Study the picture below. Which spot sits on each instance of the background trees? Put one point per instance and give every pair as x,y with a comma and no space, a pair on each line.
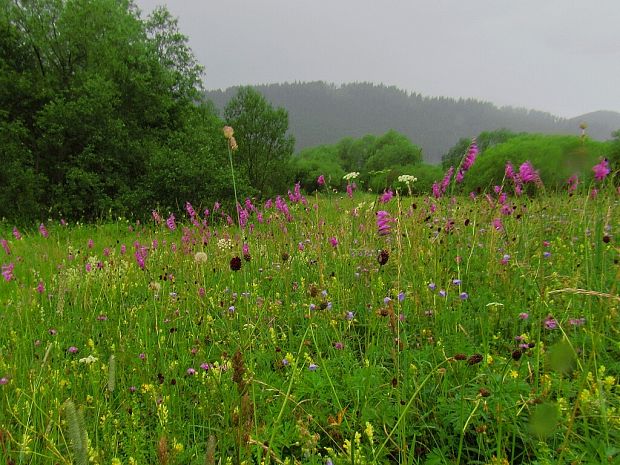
264,146
380,160
101,111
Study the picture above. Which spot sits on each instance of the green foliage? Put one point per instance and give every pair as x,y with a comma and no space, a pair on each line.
426,174
484,140
20,191
555,157
191,166
92,96
380,160
265,148
392,149
314,162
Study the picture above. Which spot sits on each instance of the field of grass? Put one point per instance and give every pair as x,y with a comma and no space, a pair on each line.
467,332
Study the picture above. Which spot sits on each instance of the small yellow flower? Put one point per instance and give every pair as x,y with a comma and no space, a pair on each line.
177,446
370,432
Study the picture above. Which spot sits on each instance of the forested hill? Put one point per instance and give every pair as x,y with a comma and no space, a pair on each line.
321,113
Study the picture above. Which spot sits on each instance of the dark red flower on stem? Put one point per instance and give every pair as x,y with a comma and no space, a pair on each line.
235,264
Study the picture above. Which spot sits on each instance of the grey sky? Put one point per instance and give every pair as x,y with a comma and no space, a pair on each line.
561,56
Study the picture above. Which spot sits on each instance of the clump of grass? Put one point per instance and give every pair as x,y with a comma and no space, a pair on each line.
76,431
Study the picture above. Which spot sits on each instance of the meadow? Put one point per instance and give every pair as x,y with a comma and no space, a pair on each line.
320,330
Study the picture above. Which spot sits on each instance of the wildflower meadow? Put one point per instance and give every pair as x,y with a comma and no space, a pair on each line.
320,328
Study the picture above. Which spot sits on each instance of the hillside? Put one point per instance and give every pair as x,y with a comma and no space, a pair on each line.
322,113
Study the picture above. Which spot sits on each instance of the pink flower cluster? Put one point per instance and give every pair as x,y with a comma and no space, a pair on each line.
468,162
440,188
526,174
386,196
601,170
384,223
7,271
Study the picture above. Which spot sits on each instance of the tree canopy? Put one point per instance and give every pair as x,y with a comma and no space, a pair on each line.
265,148
99,108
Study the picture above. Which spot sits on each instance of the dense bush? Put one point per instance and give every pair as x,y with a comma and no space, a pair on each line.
555,157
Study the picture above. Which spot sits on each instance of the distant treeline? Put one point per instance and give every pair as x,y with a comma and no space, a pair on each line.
322,113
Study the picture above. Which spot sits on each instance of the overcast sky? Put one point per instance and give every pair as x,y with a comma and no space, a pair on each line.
561,56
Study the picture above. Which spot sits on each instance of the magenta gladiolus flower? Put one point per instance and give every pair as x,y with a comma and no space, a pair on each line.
572,182
190,210
140,258
386,196
5,246
383,223
321,180
497,224
601,170
170,222
527,173
510,172
470,158
446,179
333,241
7,271
349,190
16,234
436,190
41,287
156,217
43,230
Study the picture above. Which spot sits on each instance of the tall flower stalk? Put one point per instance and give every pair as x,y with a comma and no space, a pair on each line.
232,146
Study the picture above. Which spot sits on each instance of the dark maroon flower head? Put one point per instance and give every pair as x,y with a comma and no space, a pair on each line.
235,263
383,257
474,359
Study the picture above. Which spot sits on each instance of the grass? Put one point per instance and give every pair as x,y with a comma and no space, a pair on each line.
468,345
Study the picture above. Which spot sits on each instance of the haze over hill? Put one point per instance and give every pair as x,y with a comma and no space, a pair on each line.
322,113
